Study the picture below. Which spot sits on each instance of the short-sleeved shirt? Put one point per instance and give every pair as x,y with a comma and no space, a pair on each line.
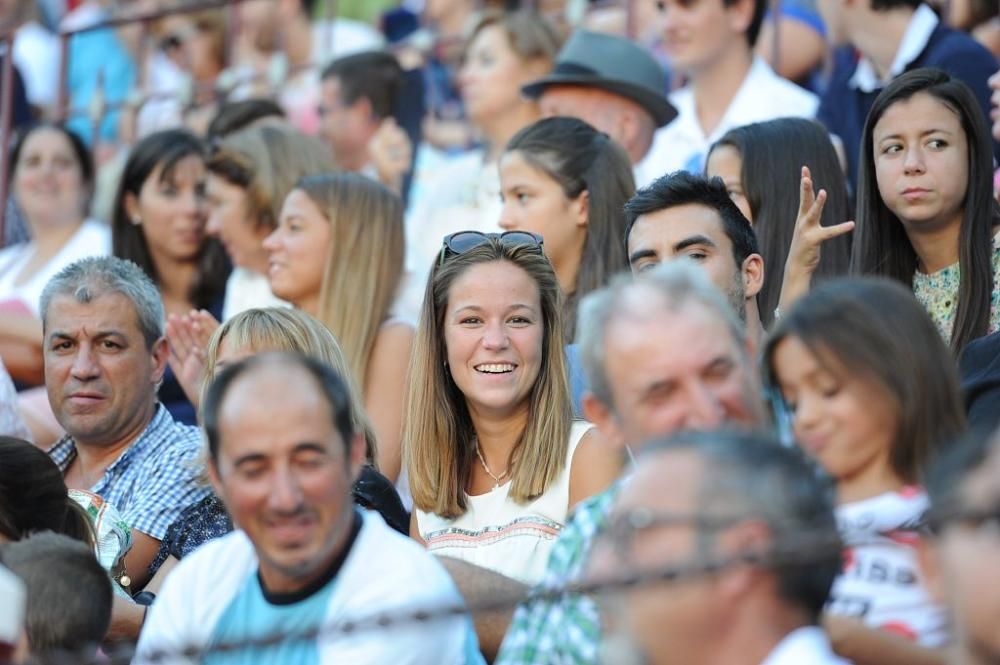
154,479
568,629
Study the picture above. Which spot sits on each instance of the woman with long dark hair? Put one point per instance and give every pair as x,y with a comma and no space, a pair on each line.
159,223
568,182
760,164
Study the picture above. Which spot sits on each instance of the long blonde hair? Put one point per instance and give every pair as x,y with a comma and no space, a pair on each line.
438,435
283,329
365,260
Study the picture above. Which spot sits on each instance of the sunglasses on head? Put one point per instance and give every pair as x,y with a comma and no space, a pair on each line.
463,241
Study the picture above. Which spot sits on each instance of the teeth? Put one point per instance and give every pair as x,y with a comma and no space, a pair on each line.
498,368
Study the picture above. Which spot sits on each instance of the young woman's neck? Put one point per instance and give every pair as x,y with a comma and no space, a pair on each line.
936,248
877,479
498,434
176,278
716,85
500,128
309,305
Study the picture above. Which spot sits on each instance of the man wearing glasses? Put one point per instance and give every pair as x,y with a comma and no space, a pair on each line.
959,560
735,541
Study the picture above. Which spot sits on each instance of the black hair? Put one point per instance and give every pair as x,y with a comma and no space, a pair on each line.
758,478
373,75
683,188
33,495
234,116
881,246
581,159
886,5
164,149
756,20
331,386
69,593
772,154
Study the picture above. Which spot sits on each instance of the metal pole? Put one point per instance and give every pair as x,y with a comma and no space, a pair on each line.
6,118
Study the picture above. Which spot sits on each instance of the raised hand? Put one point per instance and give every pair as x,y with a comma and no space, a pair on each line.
188,336
807,239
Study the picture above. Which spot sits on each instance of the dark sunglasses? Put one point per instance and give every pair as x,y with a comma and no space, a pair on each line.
463,241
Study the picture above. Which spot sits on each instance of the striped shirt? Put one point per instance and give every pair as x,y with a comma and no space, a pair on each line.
154,479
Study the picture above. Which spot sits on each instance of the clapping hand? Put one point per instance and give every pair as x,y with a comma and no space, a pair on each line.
188,336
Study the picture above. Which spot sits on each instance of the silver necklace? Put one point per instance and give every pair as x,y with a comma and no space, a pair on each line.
486,468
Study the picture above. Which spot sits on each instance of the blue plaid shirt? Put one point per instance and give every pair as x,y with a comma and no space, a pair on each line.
154,479
567,630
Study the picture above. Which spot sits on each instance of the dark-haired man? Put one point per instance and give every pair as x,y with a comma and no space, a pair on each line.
711,44
686,216
358,93
283,455
879,40
750,531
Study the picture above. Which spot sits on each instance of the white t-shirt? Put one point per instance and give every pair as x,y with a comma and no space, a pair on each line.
500,534
804,646
880,583
683,145
93,238
36,54
216,591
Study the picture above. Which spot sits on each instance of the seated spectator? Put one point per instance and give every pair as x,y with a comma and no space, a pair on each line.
926,213
36,52
259,331
249,174
504,51
752,532
959,556
614,85
337,254
283,455
489,378
69,598
872,407
33,496
711,44
159,224
686,216
51,180
105,356
761,164
567,182
877,41
630,331
286,40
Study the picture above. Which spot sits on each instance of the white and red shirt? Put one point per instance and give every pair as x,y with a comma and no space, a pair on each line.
880,583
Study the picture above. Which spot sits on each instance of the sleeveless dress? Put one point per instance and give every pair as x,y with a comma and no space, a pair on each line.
501,535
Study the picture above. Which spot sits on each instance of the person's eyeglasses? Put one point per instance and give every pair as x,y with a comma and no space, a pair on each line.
623,528
463,241
976,519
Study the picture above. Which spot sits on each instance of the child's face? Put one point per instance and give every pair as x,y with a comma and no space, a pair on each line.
845,422
922,163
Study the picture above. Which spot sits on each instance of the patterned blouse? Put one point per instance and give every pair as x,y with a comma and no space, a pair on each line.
938,293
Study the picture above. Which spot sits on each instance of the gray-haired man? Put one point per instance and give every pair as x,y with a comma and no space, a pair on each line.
105,356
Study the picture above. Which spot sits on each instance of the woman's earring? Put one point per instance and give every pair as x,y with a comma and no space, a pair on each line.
136,220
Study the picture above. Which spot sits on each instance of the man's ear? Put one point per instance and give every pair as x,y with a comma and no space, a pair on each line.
753,275
161,353
604,419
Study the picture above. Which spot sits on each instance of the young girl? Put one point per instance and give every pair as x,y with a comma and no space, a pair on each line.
926,212
872,393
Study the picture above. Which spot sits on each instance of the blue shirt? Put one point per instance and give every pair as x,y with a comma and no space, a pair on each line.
154,479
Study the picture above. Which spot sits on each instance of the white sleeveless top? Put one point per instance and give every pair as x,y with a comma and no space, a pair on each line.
501,535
